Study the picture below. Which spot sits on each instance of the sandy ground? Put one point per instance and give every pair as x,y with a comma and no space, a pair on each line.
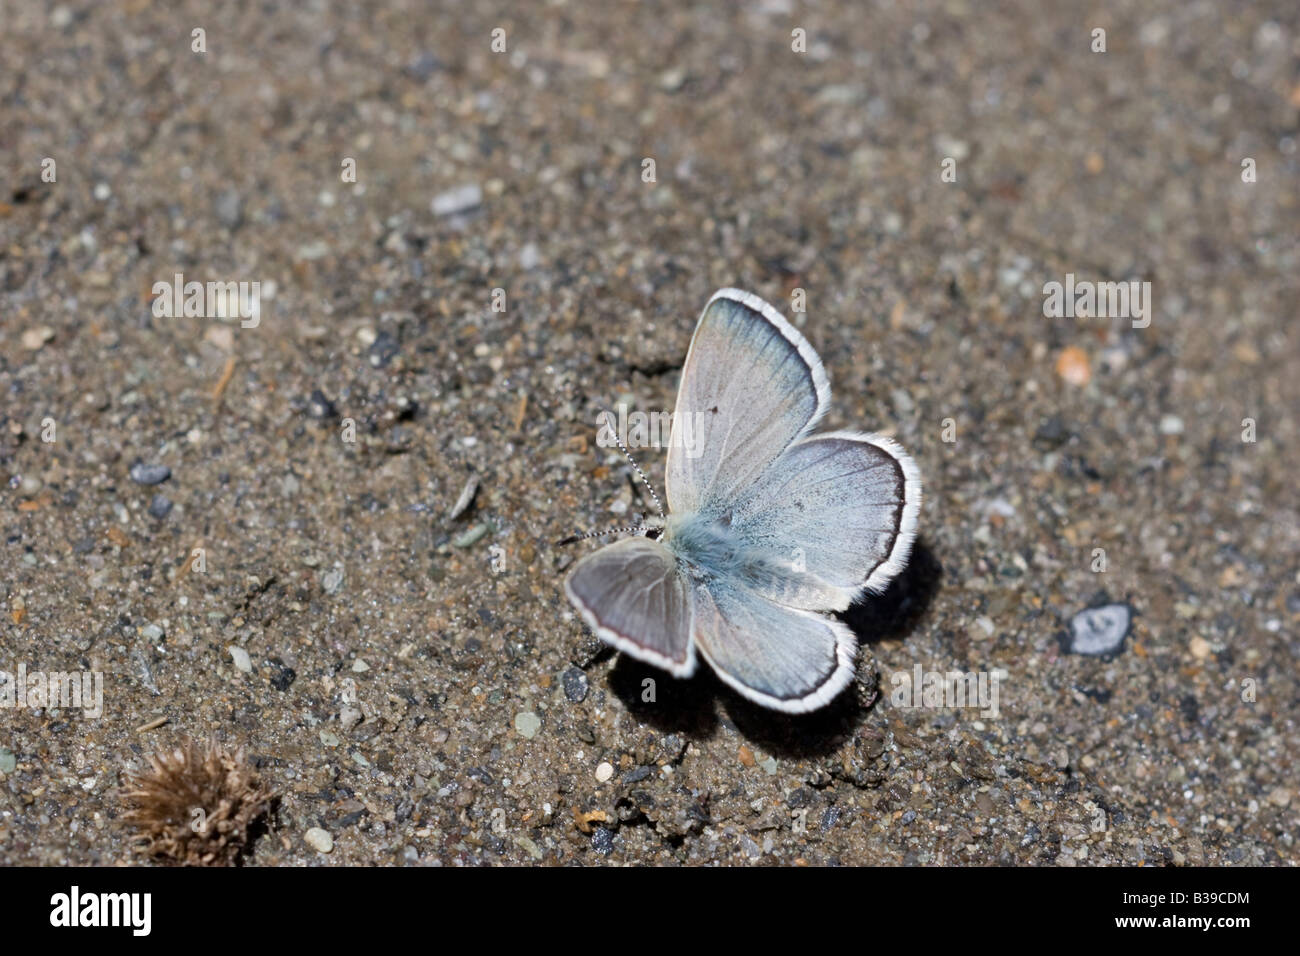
415,684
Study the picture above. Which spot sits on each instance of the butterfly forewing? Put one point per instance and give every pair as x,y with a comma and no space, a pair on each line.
751,386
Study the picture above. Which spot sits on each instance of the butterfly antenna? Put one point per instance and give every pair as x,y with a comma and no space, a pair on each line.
598,534
640,527
641,474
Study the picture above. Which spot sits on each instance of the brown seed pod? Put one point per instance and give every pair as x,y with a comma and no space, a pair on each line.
195,806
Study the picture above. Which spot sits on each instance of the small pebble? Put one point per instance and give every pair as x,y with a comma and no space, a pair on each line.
29,486
458,200
1072,366
229,209
284,676
575,685
143,474
160,506
332,581
241,658
319,840
8,762
359,666
946,145
604,771
1200,648
602,841
321,408
527,723
33,339
465,500
383,349
152,632
1097,631
671,80
1051,434
423,66
472,536
528,846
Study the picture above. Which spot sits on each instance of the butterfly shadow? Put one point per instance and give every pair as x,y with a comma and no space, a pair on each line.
687,706
896,611
669,705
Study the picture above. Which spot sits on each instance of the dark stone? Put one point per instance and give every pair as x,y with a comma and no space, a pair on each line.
283,675
321,408
636,774
1051,434
575,685
383,350
602,841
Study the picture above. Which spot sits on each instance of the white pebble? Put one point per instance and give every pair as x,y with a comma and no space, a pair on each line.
33,339
241,658
319,839
458,200
1099,630
527,724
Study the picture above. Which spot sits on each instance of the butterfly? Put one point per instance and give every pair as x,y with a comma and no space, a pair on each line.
770,529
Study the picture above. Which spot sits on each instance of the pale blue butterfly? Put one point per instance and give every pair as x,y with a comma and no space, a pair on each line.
770,527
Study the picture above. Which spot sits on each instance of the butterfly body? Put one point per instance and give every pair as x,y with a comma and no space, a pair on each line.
713,551
771,527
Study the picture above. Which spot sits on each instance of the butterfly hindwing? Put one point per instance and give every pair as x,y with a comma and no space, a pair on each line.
841,507
632,596
783,658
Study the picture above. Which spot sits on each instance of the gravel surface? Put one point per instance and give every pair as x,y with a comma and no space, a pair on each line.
260,529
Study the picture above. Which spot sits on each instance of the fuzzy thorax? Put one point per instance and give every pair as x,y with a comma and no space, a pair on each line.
711,552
